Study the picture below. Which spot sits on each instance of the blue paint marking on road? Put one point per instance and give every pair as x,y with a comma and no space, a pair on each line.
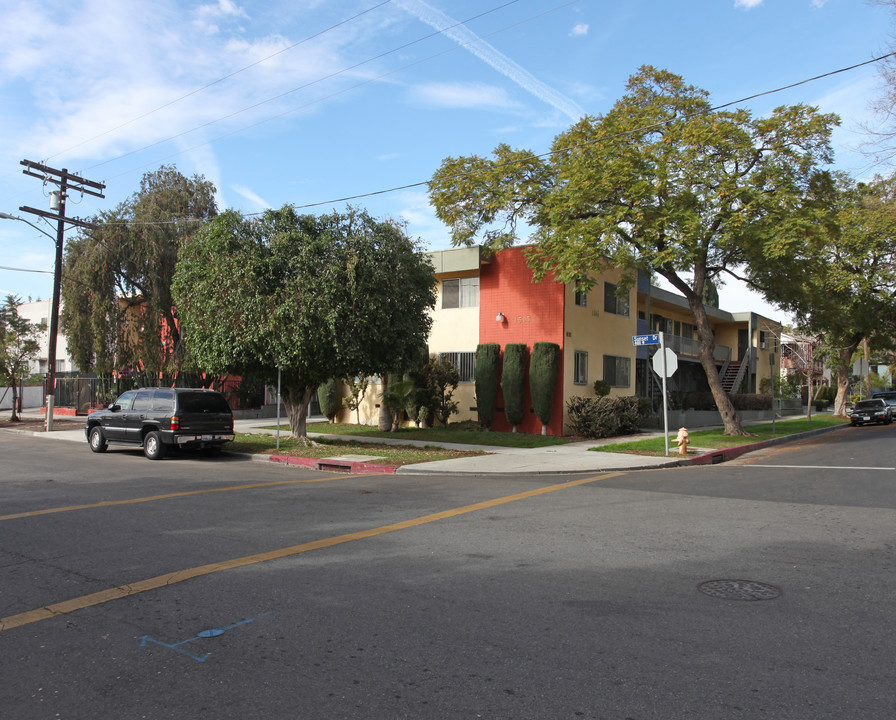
212,632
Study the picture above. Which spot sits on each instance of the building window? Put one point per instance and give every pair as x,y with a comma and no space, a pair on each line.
580,373
617,371
581,298
460,293
613,303
463,361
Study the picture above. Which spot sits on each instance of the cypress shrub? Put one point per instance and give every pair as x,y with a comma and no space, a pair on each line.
543,369
513,382
328,397
486,372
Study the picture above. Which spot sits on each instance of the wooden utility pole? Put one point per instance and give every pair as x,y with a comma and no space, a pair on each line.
67,182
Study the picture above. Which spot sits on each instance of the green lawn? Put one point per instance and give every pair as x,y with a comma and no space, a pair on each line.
264,444
716,440
464,433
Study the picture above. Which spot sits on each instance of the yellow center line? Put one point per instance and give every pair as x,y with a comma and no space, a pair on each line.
123,591
153,498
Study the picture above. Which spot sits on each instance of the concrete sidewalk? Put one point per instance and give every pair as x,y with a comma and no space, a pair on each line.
552,460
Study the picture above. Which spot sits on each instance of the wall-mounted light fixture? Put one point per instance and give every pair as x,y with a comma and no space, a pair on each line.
500,318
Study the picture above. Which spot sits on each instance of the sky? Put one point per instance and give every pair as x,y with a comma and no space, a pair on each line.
312,102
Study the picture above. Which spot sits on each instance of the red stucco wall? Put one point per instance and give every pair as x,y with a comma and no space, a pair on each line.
533,313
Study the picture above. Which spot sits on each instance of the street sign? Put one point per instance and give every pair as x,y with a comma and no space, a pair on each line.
671,364
639,340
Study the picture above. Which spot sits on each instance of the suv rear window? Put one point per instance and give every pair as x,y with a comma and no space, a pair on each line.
197,402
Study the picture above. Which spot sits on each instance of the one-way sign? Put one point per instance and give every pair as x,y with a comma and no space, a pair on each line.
639,340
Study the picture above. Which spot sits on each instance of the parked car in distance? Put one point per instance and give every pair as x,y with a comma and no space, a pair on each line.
889,396
159,418
875,410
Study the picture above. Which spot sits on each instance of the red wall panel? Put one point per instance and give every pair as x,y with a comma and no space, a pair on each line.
533,313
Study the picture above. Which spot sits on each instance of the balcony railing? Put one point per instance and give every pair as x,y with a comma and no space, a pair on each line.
690,347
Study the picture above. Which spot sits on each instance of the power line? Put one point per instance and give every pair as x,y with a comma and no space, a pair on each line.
222,79
348,89
599,140
311,83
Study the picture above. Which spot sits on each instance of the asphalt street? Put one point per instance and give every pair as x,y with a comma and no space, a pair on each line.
222,588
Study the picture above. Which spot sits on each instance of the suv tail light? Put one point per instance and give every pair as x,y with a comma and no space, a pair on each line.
175,422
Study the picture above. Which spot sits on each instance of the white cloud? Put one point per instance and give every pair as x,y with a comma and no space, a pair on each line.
747,4
464,95
579,30
490,55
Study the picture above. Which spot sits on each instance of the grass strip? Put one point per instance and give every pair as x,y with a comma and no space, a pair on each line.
265,444
463,433
717,440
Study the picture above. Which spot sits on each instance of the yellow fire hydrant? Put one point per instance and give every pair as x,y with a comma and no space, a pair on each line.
682,441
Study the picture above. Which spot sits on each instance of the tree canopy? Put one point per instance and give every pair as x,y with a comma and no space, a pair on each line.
845,289
316,297
663,183
116,291
19,344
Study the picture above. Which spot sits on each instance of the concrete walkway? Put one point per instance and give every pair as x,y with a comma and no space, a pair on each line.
555,459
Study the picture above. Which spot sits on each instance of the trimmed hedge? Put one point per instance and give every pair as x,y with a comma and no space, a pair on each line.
607,416
328,398
513,382
488,357
543,369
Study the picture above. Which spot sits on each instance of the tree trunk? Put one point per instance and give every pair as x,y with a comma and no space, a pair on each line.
296,399
843,371
730,418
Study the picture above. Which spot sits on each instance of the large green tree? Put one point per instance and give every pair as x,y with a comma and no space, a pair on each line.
19,344
314,297
842,288
117,307
663,183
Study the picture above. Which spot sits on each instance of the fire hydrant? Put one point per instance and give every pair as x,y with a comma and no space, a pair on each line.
682,441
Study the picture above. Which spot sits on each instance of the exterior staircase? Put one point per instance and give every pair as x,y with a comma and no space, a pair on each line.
733,376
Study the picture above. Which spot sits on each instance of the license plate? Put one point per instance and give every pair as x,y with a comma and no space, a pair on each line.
866,418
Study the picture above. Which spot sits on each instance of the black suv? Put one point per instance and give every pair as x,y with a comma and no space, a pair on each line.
158,417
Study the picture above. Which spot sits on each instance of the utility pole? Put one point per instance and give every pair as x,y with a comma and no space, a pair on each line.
67,182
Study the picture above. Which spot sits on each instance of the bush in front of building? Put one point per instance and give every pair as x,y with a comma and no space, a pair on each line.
607,416
543,369
488,357
513,382
328,398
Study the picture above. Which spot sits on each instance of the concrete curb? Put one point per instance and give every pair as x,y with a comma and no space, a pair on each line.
334,464
713,457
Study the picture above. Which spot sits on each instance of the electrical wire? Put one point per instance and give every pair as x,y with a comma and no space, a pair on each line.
221,79
585,143
310,84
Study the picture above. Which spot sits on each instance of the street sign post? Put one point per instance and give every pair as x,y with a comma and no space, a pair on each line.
665,363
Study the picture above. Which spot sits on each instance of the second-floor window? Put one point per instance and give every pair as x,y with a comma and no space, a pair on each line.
614,303
460,292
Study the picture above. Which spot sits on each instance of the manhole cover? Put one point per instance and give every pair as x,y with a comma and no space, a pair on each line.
739,590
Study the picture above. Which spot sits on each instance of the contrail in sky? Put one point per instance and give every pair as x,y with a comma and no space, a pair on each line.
486,52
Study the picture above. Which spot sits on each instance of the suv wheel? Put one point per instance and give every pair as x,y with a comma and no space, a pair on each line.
97,442
153,447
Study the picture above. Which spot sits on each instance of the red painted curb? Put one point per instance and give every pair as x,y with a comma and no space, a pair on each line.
361,468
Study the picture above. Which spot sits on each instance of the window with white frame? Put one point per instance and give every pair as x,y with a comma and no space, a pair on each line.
617,371
460,292
580,372
613,303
